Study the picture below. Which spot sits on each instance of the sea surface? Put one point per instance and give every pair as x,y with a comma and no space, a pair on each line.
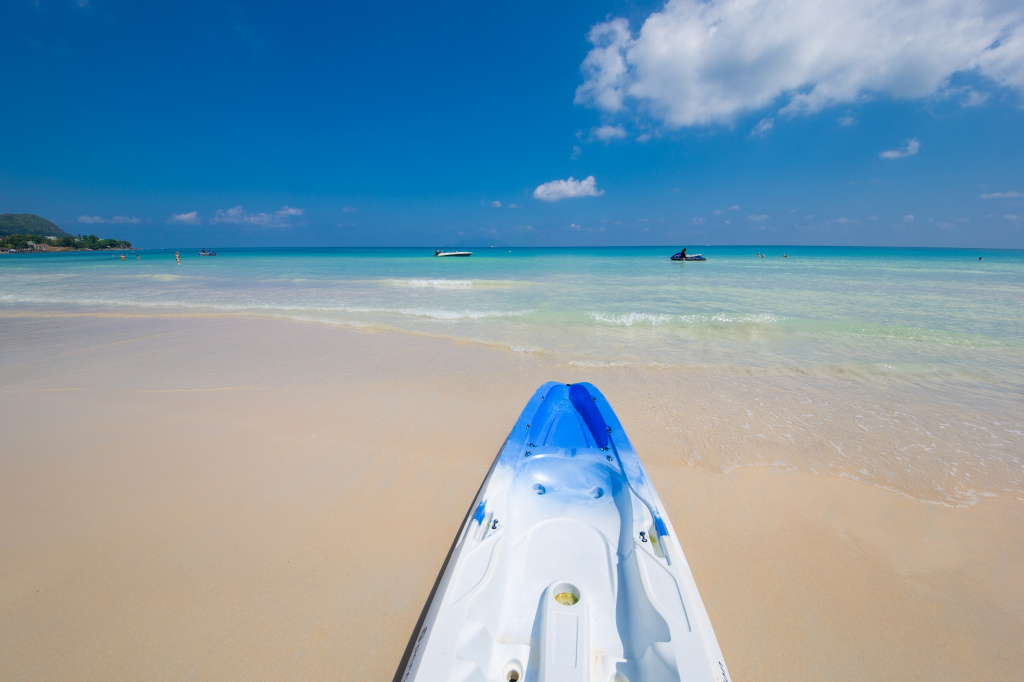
937,327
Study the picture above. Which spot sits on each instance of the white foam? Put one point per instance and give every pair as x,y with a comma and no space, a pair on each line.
630,319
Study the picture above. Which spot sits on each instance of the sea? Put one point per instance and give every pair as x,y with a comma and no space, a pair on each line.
938,328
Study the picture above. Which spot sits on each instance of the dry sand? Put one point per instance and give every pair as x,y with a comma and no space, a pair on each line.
213,498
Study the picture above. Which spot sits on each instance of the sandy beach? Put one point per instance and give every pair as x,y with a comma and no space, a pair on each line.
244,498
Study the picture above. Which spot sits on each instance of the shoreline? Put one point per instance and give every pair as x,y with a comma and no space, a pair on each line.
239,497
864,419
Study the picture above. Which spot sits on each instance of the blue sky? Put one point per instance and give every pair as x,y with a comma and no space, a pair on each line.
856,122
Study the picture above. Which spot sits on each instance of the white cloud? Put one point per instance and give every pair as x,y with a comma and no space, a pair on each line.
496,204
574,226
512,206
115,219
758,218
607,133
762,127
1011,216
696,221
976,98
349,209
847,120
699,62
190,218
1003,195
567,189
909,218
909,148
278,218
576,151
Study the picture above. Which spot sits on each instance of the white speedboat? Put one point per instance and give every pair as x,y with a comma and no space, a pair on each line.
439,253
567,568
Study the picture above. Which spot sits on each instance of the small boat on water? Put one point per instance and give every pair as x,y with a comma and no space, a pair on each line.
439,253
567,567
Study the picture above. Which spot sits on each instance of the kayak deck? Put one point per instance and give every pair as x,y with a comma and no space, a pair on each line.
567,568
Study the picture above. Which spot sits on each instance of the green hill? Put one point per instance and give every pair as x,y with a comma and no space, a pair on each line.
26,223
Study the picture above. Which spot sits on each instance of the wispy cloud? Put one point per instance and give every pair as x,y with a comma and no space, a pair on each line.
758,218
190,218
279,218
1003,195
909,218
574,226
763,127
115,219
496,204
908,148
1012,217
847,120
567,189
350,209
701,62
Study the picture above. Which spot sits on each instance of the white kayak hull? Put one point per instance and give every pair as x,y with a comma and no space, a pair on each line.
567,567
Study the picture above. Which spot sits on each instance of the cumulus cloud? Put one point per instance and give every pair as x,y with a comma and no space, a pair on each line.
574,226
1003,195
190,218
700,62
278,218
567,189
496,204
608,133
115,219
909,148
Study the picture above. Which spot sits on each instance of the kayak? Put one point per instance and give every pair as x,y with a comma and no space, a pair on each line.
566,567
441,254
695,256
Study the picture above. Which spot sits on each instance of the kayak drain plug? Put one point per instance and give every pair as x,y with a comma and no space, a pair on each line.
643,536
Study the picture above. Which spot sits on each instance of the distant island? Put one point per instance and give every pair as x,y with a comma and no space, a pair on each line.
24,232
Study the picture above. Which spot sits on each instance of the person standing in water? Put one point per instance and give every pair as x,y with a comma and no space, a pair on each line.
177,257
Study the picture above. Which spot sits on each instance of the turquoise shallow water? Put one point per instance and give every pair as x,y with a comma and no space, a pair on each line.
820,309
903,368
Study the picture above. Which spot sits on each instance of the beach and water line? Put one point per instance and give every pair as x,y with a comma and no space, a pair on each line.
253,465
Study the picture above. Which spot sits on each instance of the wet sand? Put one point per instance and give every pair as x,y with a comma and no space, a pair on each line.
236,498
